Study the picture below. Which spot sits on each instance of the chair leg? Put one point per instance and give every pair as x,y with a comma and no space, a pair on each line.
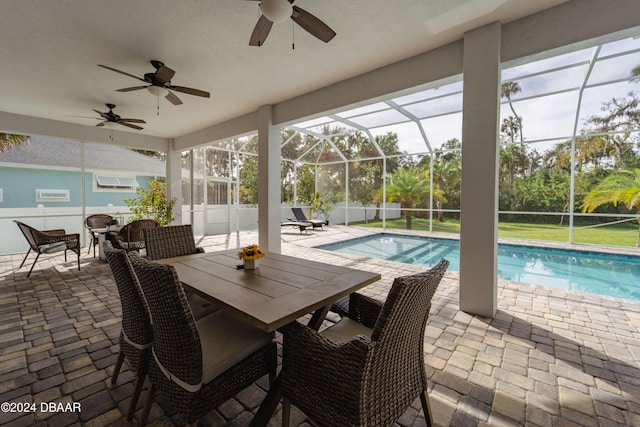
116,369
33,265
286,412
426,408
147,406
25,258
134,398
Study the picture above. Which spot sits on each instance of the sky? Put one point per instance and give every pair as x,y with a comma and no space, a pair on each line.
548,101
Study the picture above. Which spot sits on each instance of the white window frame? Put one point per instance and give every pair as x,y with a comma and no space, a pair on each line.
116,183
52,195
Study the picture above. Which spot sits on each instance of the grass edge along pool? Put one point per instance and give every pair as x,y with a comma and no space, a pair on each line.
615,275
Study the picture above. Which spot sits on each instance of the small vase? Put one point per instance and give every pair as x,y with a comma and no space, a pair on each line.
252,265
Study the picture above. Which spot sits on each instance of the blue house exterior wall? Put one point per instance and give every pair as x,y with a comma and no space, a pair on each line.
19,188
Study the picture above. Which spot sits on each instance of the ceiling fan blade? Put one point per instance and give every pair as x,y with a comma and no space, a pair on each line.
100,124
172,98
121,72
84,117
260,31
191,91
129,89
104,116
132,120
313,25
165,74
120,122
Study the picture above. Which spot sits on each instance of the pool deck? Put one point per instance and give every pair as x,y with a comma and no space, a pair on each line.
548,357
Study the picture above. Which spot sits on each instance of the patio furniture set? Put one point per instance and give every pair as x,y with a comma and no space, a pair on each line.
203,330
130,237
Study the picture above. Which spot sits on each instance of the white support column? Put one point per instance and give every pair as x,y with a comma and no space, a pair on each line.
479,192
269,181
174,181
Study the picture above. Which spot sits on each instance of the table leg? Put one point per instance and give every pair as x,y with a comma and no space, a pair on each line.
101,239
318,317
271,400
269,404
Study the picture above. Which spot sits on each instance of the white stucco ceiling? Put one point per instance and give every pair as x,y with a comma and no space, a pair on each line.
49,51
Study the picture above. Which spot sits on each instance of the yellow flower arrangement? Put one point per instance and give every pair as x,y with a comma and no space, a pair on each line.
251,253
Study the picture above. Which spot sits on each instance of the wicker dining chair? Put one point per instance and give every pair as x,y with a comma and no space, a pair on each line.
136,333
375,354
197,366
173,241
131,237
48,242
170,241
96,221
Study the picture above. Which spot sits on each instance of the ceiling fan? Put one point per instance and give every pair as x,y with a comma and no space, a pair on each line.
281,10
111,117
159,83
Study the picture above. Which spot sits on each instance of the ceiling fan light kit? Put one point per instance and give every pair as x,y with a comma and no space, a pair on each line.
157,90
276,11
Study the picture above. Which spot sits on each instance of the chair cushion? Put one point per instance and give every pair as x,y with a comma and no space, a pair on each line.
225,341
131,245
345,330
53,247
200,307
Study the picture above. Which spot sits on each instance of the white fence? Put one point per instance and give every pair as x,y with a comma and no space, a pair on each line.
216,219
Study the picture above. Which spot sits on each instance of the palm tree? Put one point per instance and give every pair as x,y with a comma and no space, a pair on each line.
409,186
444,173
622,187
507,90
9,140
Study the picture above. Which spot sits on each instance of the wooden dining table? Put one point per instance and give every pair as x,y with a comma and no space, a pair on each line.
281,290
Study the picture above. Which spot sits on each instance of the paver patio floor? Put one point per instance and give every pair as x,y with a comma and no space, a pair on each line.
548,357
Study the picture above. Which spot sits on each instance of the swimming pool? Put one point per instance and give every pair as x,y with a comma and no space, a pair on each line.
596,272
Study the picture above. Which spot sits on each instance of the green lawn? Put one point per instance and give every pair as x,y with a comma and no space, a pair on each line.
625,234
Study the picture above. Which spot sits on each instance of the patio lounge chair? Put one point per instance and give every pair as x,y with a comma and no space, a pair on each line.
302,225
48,242
301,217
376,354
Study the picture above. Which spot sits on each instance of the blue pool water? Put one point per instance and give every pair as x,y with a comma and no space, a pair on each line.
595,272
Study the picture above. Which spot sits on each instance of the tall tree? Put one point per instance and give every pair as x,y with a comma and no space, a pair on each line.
616,128
445,175
507,91
511,128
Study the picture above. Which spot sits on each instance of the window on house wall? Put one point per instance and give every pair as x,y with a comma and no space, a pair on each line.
115,183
